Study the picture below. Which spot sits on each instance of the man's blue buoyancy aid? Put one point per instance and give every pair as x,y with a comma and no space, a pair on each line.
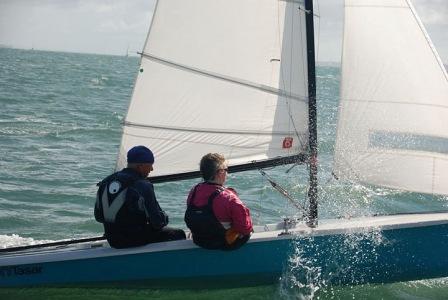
206,229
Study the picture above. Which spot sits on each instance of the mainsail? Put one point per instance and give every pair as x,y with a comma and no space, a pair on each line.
226,76
393,114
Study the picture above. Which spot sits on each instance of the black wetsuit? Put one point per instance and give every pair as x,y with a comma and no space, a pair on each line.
133,217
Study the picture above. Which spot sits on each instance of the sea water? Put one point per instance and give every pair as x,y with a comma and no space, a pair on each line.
60,126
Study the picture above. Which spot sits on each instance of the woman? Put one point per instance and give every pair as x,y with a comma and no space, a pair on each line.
216,216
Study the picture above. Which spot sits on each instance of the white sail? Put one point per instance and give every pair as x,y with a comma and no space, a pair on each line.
226,76
393,114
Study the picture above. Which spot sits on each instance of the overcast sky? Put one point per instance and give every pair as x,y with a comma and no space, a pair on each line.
111,26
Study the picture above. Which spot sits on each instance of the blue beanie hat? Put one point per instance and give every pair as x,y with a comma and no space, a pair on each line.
140,154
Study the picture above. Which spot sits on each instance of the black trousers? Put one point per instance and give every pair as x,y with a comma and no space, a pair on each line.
125,238
166,234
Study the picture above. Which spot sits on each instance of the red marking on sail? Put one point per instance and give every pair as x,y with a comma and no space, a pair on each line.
287,143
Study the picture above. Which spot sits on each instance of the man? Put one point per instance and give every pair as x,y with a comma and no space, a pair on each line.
127,206
215,215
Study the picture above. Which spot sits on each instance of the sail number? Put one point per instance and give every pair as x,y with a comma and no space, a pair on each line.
20,270
287,142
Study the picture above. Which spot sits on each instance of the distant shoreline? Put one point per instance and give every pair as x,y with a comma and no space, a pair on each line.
318,63
66,52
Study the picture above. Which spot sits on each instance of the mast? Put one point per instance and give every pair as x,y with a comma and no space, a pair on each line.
312,113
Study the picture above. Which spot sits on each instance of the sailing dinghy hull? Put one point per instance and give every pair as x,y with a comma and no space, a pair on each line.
369,250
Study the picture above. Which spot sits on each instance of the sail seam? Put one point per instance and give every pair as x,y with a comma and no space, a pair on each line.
260,146
203,130
396,102
260,87
377,6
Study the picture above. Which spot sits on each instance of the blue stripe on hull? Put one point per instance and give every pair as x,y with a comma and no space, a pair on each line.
387,256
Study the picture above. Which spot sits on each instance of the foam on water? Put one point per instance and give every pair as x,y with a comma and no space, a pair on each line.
302,278
313,267
14,240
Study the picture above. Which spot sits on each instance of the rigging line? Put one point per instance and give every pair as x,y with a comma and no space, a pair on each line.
291,50
318,31
304,41
303,73
292,167
352,176
259,202
291,53
291,118
307,11
283,192
279,34
304,54
283,76
260,87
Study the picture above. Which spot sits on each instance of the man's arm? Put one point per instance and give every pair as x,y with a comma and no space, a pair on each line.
241,220
98,212
157,217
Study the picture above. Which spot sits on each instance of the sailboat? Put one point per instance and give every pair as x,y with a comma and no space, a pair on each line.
238,78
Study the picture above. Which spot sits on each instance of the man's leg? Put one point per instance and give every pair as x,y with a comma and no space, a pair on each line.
167,234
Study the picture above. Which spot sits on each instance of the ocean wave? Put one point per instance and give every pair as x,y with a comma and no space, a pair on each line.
15,240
